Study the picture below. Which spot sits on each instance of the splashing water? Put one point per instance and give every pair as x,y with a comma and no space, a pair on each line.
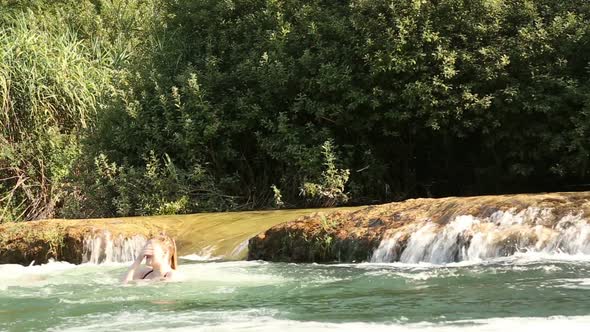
205,255
467,238
103,248
522,292
239,249
509,271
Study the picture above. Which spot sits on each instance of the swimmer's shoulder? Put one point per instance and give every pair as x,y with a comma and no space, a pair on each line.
141,272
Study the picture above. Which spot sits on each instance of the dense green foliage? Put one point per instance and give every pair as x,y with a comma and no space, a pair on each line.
113,107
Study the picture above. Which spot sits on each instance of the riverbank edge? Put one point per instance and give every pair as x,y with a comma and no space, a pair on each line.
218,234
352,236
37,242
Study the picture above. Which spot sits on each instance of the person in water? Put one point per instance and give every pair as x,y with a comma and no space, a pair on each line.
160,261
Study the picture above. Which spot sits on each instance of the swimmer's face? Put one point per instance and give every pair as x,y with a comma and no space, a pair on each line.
158,254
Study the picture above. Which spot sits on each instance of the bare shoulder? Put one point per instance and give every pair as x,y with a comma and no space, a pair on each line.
141,272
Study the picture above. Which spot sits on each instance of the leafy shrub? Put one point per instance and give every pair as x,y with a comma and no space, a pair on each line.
158,188
116,107
330,189
277,197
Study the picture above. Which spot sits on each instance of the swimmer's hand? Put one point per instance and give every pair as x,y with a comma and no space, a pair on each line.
146,252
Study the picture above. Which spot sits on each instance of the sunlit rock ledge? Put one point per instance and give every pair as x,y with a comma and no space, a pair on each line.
72,241
219,235
434,230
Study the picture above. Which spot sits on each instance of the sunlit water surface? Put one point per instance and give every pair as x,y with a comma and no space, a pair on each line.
524,293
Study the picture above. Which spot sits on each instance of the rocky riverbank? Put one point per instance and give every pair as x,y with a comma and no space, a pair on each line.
63,240
434,230
117,239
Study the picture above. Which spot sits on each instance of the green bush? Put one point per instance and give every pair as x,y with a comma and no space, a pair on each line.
115,107
329,190
160,188
58,62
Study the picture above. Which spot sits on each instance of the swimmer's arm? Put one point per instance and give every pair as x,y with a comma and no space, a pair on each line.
134,270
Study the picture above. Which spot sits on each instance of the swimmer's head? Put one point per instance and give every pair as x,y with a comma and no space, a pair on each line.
164,252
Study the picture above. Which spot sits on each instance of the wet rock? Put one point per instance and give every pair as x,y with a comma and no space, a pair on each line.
219,234
354,235
37,242
376,222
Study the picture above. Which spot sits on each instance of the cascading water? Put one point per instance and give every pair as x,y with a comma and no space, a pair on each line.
104,248
239,249
475,238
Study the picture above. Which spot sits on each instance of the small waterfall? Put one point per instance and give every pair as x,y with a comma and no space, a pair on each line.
388,249
104,248
239,249
501,234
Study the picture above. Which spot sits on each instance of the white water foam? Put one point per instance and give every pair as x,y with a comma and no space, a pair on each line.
205,255
34,275
260,320
235,273
522,324
212,274
575,283
504,233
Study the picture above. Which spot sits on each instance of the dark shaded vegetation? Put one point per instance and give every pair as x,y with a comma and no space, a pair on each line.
112,107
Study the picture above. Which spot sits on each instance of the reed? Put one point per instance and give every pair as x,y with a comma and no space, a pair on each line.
51,82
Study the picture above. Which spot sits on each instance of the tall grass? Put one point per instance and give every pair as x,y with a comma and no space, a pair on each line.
61,64
49,76
50,85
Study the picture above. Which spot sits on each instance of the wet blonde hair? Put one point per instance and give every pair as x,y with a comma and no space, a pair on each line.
169,245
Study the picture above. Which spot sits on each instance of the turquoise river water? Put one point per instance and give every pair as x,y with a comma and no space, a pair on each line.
526,292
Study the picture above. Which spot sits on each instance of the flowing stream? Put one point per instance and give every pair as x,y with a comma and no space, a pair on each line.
525,292
505,272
